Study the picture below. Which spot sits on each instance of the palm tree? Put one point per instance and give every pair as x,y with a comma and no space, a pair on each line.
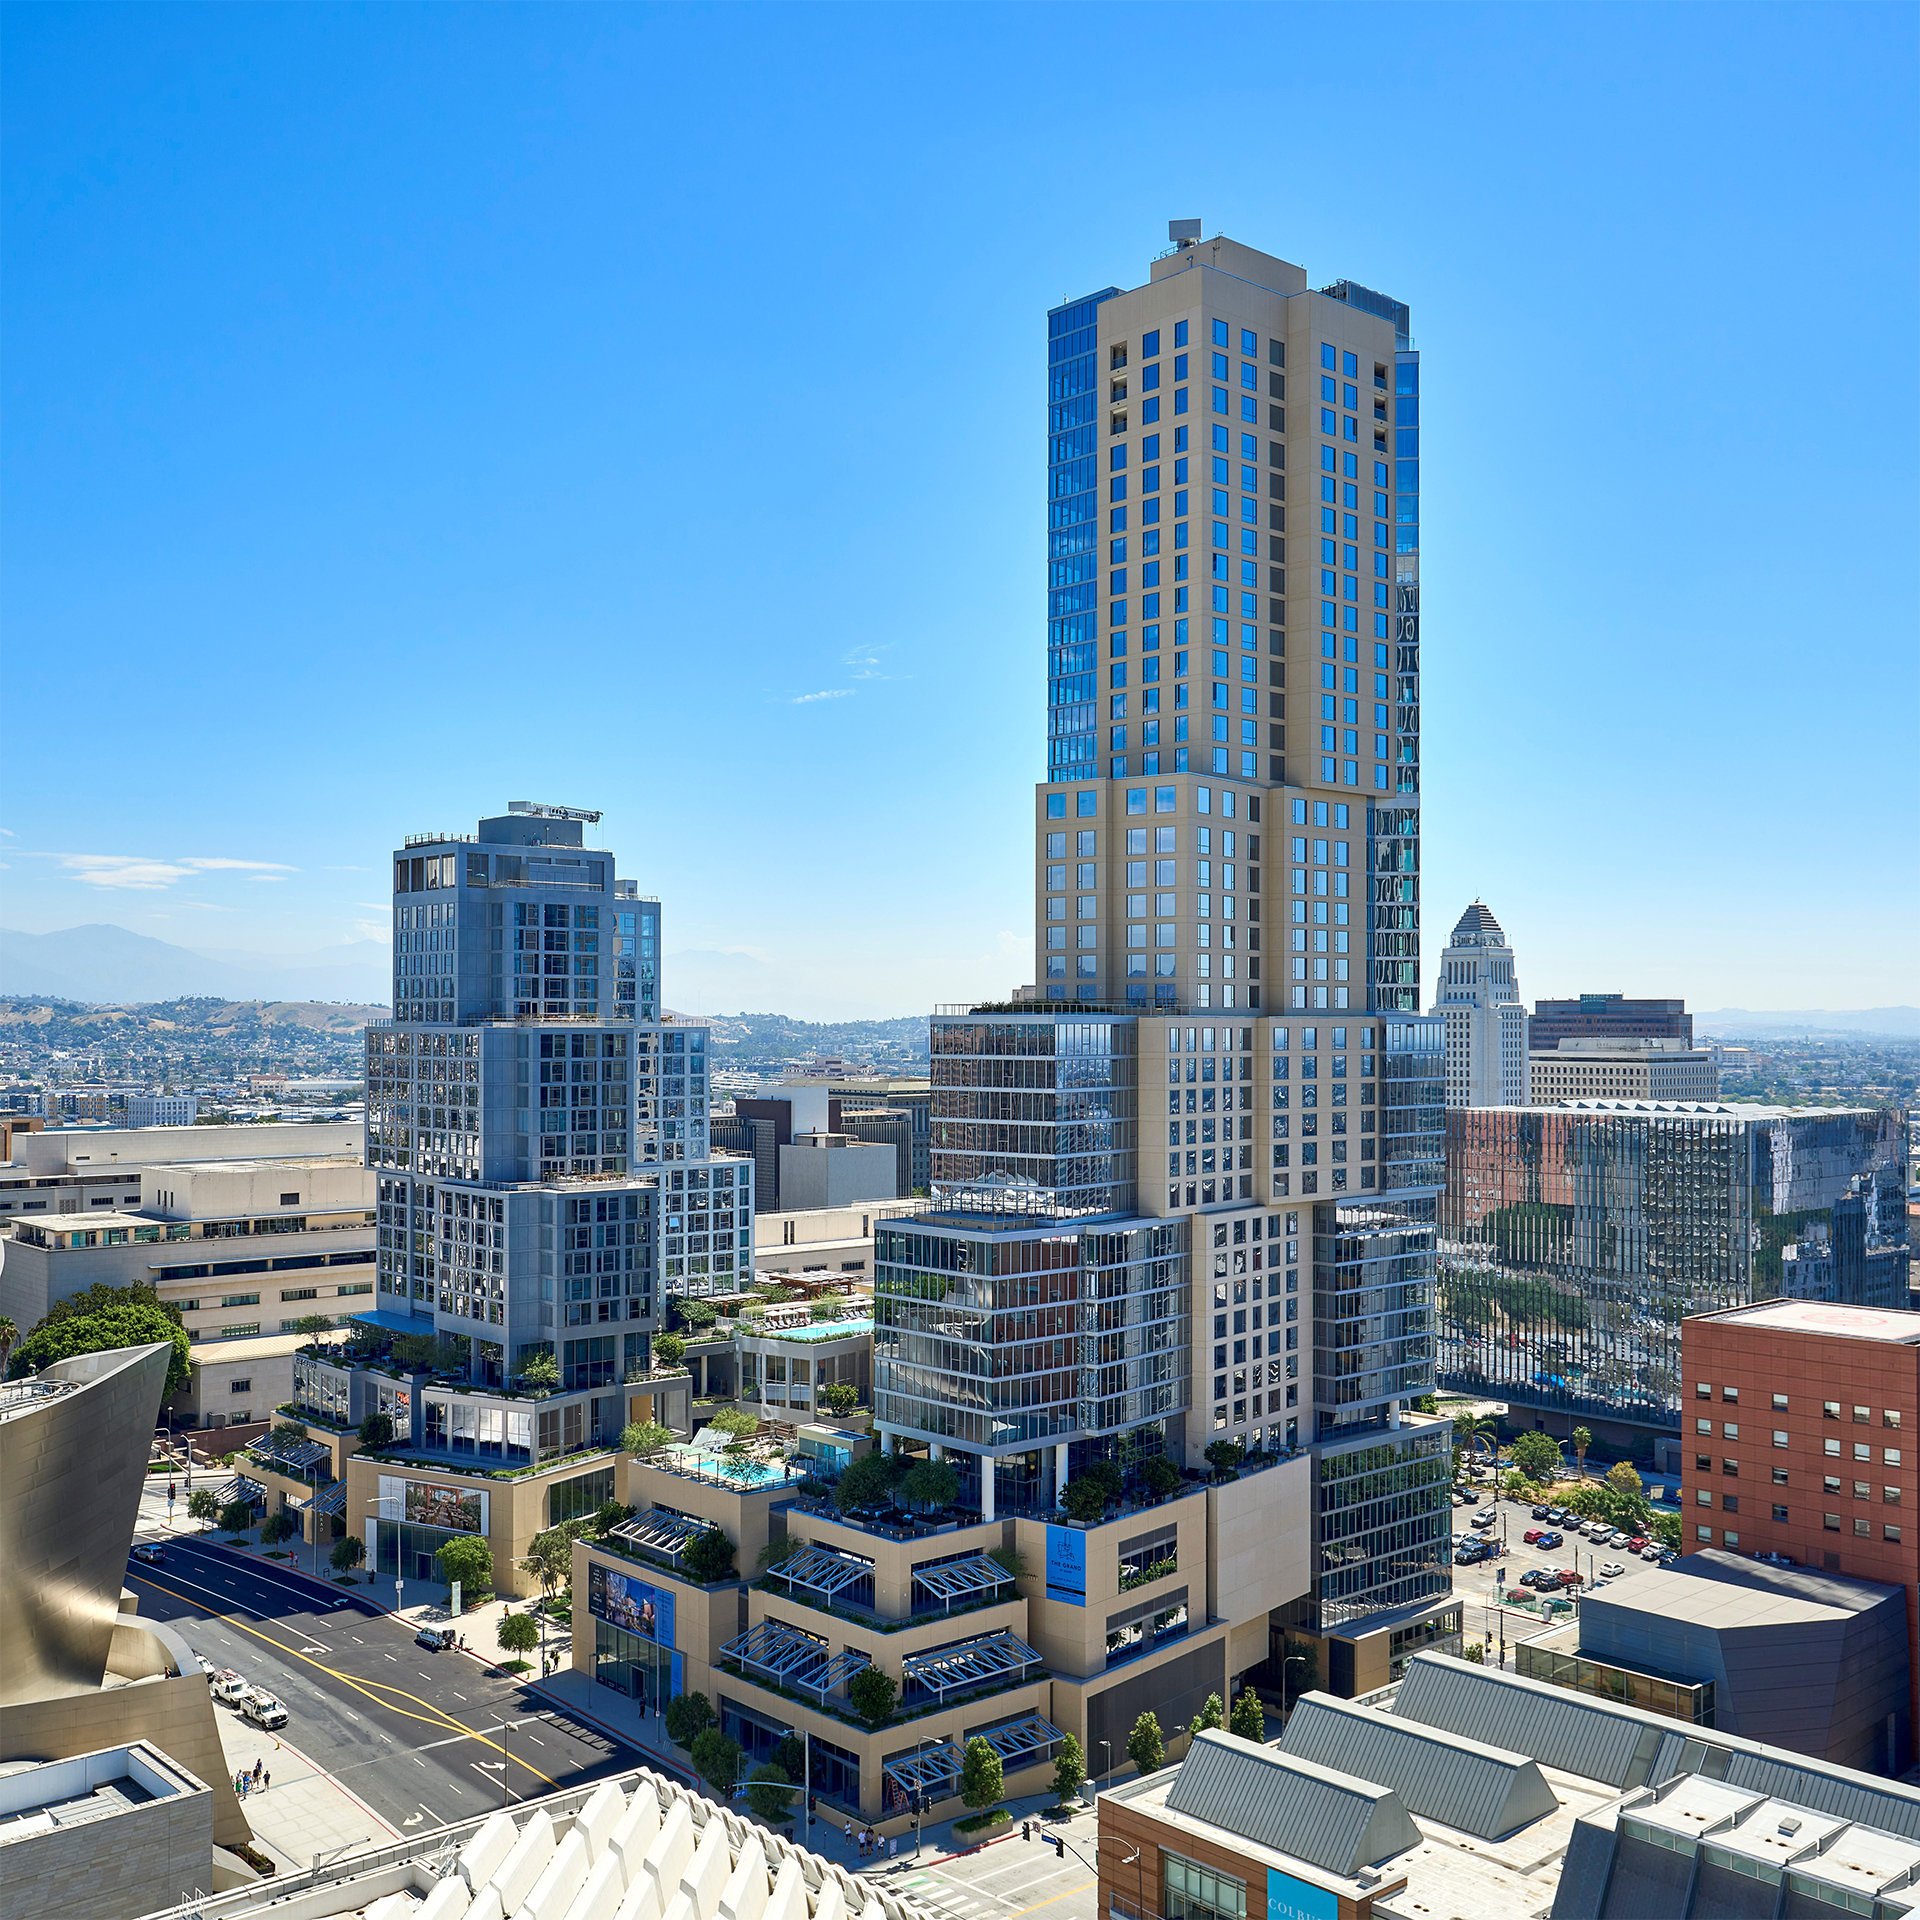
1582,1440
9,1339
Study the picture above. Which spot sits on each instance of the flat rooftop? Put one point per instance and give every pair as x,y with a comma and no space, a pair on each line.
1816,1316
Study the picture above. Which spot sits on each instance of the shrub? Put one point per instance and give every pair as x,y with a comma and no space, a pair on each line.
708,1556
644,1437
1010,1560
347,1553
983,1780
1146,1746
873,1696
608,1515
930,1484
840,1396
686,1714
1225,1456
376,1432
540,1374
668,1349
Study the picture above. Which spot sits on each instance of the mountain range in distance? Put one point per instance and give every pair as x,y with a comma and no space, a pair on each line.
103,964
107,965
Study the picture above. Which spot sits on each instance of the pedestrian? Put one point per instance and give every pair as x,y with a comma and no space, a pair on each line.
266,1781
259,1767
849,1833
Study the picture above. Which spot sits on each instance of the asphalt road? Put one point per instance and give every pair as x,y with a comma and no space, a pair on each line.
1010,1878
416,1735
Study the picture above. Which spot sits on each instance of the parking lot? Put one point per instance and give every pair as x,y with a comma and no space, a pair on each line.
1481,1584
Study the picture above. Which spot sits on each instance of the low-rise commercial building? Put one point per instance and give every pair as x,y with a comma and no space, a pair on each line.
162,1109
1583,1069
1609,1016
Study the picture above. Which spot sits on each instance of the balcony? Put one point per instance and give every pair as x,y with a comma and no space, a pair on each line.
985,1665
789,1661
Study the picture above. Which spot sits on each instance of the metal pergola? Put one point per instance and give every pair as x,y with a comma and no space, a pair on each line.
330,1499
931,1771
661,1531
972,1664
296,1456
820,1570
1014,1740
791,1658
962,1580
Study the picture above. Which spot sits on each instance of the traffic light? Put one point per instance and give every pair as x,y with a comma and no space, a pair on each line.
1026,1829
1059,1848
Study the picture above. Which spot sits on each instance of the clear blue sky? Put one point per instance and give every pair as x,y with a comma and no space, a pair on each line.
410,409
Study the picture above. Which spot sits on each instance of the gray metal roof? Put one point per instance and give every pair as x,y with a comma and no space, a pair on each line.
1559,1729
1330,1819
1438,1775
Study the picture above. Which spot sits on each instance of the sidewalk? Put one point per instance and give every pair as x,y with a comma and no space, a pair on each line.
304,1811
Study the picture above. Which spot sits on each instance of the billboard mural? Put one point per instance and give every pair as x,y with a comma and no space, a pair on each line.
1067,1565
630,1604
456,1508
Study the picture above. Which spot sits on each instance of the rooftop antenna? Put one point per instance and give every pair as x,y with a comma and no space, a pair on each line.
1183,233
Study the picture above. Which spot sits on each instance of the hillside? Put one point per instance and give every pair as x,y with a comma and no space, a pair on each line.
180,1040
104,964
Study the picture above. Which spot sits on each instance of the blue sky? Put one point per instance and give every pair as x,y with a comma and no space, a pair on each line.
410,409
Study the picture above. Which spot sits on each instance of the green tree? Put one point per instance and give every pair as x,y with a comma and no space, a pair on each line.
708,1557
770,1794
866,1486
734,1424
549,1558
820,1311
776,1553
468,1559
1224,1456
540,1374
1160,1476
202,1505
1010,1560
128,1322
1665,1528
1536,1456
840,1396
1146,1745
1249,1717
9,1339
1103,1473
608,1515
518,1632
277,1527
289,1433
1426,1403
1069,1770
1084,1499
1624,1478
644,1437
1582,1440
376,1432
668,1350
348,1552
1211,1717
1476,1651
716,1759
983,1781
1587,1501
312,1325
873,1696
930,1485
237,1516
686,1714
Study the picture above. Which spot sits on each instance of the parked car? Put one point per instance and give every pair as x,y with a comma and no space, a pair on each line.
1598,1531
1531,1578
1543,1513
1612,1569
1652,1553
1549,1540
263,1709
1485,1517
433,1639
1552,1606
207,1667
150,1556
228,1688
1636,1543
1532,1535
1558,1516
1568,1577
1617,1538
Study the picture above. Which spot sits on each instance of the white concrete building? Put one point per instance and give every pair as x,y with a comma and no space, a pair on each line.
1641,1069
1486,1022
162,1109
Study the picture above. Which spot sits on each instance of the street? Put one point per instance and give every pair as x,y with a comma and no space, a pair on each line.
1012,1877
416,1736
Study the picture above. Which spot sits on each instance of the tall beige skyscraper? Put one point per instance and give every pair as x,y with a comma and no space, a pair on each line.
1180,776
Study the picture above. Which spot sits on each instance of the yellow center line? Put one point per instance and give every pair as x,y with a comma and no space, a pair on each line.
433,1716
1038,1904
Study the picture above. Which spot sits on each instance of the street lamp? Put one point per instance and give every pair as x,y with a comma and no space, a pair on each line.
1132,1860
506,1759
1106,1768
1291,1660
328,1853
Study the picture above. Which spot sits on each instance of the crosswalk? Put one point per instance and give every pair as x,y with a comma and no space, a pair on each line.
1012,1886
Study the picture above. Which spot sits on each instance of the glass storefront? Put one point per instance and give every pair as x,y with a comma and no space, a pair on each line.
406,1551
641,1669
1688,1700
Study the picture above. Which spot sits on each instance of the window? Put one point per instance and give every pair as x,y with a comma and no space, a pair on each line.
1830,1522
1889,1496
1779,1438
239,1386
1863,1529
1703,1426
1861,1416
1890,1418
1831,1448
1861,1452
1730,1430
1779,1513
240,1300
1830,1409
1729,1393
1779,1476
1779,1403
1702,1391
1890,1455
1730,1502
1703,1533
1891,1533
1731,1468
289,1199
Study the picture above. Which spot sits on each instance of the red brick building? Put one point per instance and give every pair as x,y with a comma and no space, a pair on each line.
1799,1423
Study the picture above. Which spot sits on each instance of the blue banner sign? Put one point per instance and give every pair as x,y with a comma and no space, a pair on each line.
1067,1565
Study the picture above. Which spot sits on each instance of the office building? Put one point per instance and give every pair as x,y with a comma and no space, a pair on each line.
1609,1016
1620,1070
1479,998
821,1170
889,1127
1800,1420
1466,1791
162,1109
1574,1241
1225,920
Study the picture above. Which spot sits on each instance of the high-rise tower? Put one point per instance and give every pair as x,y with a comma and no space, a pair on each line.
539,1127
1227,922
1479,999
